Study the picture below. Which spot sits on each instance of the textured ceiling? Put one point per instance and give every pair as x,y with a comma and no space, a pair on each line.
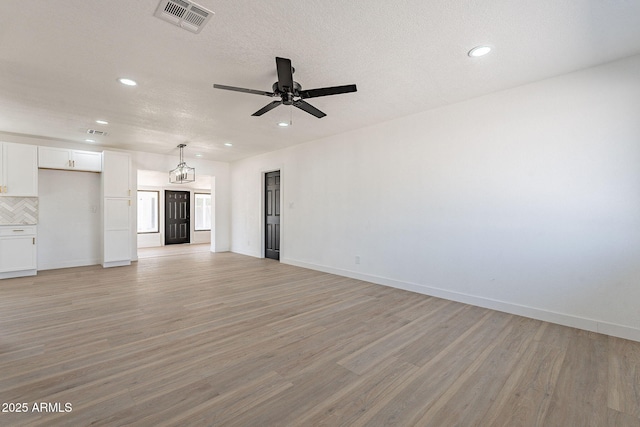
59,61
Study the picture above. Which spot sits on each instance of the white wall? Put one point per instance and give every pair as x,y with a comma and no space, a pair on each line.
69,231
526,200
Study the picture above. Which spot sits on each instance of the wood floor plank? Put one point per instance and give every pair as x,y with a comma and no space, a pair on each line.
580,395
368,357
624,377
435,377
233,340
480,383
365,394
526,396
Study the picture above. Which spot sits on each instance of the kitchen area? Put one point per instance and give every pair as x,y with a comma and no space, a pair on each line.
43,191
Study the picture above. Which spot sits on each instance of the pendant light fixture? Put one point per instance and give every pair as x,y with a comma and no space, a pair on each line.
182,173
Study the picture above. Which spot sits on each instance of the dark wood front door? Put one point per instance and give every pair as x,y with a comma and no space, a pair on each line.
176,217
272,215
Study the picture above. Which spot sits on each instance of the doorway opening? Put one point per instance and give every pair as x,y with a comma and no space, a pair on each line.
272,215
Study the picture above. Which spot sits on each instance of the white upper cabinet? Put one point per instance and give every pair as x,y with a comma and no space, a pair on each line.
62,158
86,160
116,171
18,170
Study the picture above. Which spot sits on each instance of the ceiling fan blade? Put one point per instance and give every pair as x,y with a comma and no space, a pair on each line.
267,107
285,75
324,91
241,89
305,106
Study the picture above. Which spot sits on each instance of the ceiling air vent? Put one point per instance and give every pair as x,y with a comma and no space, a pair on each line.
184,14
96,132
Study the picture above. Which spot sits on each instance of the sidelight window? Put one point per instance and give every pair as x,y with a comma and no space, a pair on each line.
203,212
148,202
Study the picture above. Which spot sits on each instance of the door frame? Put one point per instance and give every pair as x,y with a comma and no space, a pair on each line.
263,228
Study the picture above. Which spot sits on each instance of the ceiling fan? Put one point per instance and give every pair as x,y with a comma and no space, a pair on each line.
290,92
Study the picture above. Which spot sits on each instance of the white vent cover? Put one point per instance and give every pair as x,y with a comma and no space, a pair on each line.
96,132
185,14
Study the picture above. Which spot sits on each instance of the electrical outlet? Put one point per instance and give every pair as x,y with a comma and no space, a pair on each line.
357,259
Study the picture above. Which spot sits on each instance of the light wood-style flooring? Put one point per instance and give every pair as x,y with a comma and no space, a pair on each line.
206,339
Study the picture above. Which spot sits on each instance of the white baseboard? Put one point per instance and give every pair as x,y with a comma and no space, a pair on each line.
67,264
116,264
616,330
248,253
21,273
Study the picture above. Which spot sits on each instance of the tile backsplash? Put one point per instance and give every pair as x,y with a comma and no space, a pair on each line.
18,210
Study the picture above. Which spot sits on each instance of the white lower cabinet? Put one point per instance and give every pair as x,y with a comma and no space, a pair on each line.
117,232
18,251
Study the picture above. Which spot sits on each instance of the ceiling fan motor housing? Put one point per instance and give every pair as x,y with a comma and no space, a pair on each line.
287,98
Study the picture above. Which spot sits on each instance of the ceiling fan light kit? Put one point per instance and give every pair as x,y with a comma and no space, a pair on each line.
291,92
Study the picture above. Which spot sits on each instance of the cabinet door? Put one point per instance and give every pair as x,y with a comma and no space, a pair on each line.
17,253
89,161
117,246
116,214
54,158
117,230
116,170
20,170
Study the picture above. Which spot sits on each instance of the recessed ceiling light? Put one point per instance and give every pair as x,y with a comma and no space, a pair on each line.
283,124
479,51
127,82
89,140
198,155
102,122
228,144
